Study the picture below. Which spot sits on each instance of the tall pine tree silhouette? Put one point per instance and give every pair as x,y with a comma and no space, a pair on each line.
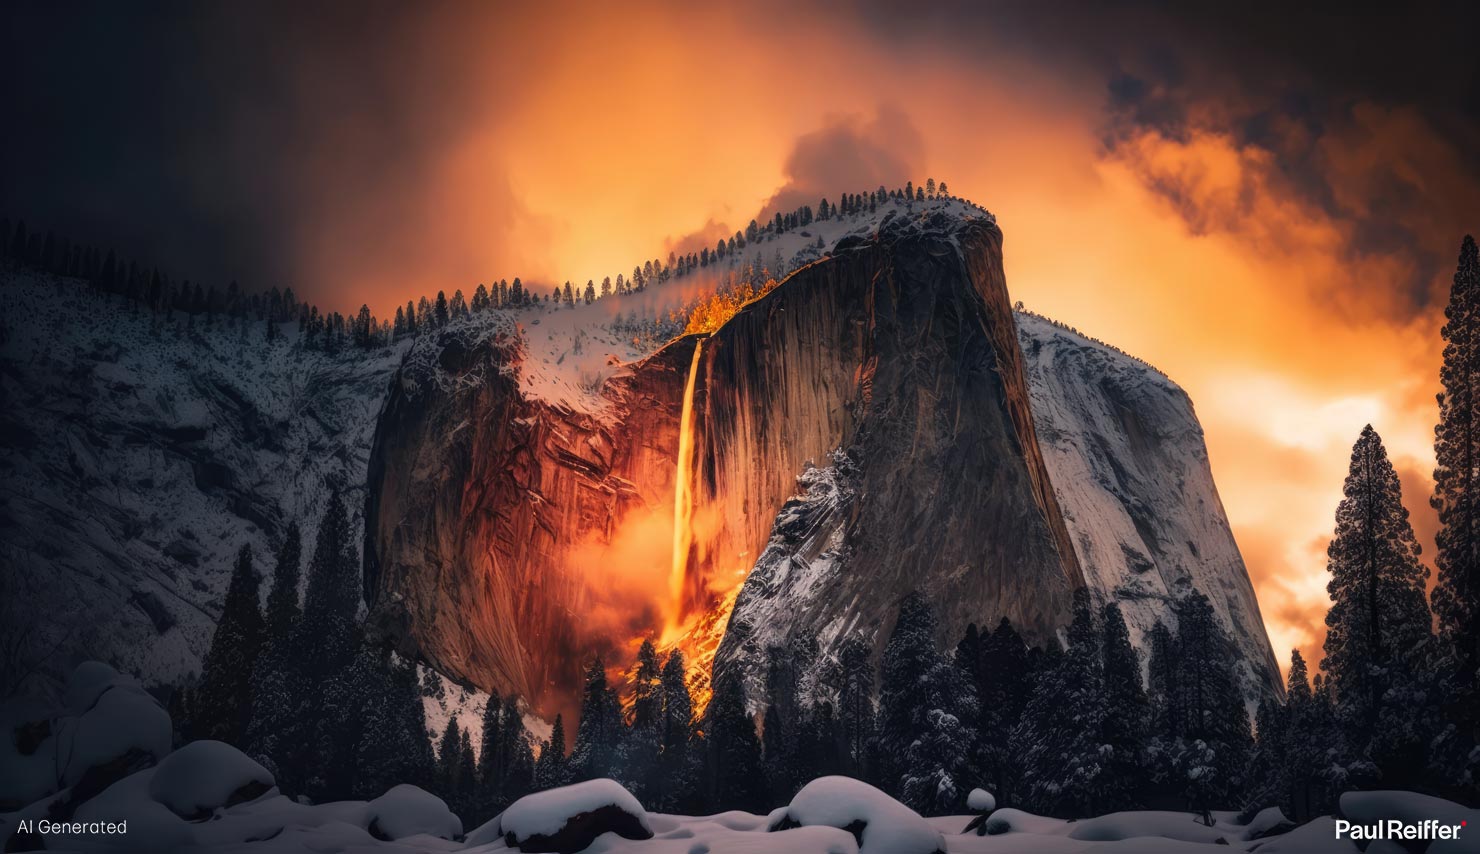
549,770
1060,729
681,759
1127,714
393,746
1457,499
223,702
1008,674
926,706
641,749
856,705
270,679
734,768
1216,740
599,733
1379,619
326,645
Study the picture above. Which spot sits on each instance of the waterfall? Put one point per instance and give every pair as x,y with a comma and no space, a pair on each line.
683,494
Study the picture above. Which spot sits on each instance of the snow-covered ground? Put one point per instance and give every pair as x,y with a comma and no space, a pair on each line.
208,797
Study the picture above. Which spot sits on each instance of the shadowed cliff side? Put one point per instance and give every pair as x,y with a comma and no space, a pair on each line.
946,490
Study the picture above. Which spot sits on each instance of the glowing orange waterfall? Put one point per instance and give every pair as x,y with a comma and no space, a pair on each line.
683,497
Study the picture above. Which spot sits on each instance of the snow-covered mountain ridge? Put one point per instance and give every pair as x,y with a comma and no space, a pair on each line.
141,453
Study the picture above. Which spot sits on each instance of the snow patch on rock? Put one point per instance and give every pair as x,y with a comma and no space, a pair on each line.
406,811
204,776
547,813
882,824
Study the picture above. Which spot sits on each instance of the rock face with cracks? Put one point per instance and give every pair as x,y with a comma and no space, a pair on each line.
492,513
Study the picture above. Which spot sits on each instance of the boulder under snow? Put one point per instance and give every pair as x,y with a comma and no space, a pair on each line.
407,811
108,728
568,819
881,824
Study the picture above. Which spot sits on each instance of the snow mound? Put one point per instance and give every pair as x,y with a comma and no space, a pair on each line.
881,824
1267,822
152,826
571,817
1410,808
1010,820
1180,826
204,776
109,727
406,811
117,717
1314,837
981,800
87,683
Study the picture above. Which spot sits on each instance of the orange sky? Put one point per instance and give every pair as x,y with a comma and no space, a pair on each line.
606,134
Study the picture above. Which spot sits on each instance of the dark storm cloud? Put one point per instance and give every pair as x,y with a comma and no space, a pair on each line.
231,140
278,141
1399,86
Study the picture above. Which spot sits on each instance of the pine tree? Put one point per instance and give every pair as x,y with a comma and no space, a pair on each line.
1217,740
1060,729
1379,620
1163,673
491,762
1007,674
449,760
1456,596
465,799
331,755
641,748
598,735
781,730
681,756
646,686
549,771
223,702
1301,758
856,705
327,629
1267,766
271,684
734,769
925,706
937,766
1127,714
327,646
282,599
393,746
515,758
